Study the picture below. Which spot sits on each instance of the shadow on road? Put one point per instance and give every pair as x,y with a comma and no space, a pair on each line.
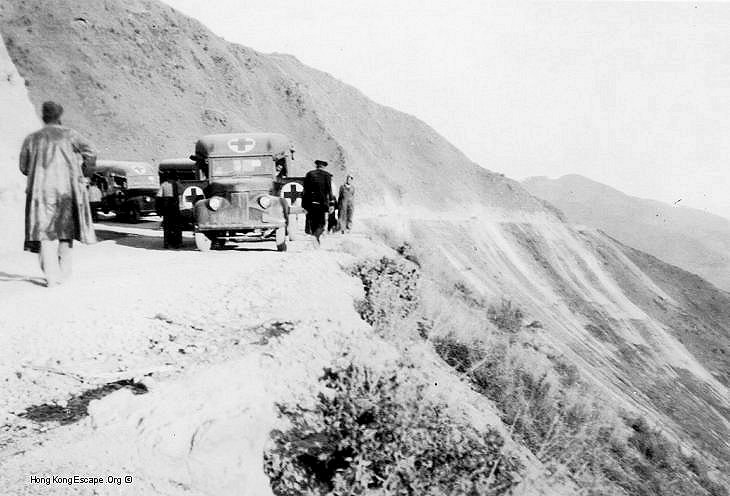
150,238
7,277
137,241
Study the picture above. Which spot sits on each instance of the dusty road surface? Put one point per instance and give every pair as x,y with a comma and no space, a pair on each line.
202,333
157,372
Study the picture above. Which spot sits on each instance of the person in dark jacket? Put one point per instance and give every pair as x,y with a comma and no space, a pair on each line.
332,224
169,207
317,199
346,204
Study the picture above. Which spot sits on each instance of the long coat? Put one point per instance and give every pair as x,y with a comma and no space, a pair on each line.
316,199
57,203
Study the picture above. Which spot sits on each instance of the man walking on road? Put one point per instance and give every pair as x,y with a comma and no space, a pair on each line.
346,204
317,199
57,204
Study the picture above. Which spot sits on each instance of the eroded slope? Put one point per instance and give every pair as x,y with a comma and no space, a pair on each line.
655,339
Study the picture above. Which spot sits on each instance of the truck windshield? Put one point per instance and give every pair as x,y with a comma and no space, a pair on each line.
241,166
146,181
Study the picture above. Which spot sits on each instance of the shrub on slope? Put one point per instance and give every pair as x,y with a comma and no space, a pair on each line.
379,434
391,291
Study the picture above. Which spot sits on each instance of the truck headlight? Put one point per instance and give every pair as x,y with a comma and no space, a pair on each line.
215,202
265,202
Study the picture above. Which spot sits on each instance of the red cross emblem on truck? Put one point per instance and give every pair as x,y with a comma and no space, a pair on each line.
241,145
291,192
191,195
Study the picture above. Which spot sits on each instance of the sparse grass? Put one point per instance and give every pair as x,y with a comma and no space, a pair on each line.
573,434
506,316
371,434
540,396
468,294
659,467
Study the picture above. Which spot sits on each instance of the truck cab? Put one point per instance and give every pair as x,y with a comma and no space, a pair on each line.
126,188
229,190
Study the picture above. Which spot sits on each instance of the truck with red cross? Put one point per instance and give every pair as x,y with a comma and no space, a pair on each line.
235,188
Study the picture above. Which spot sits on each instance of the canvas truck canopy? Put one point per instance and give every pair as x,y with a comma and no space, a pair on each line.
137,174
177,168
243,144
176,164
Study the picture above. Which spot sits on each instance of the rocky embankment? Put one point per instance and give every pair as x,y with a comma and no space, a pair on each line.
19,119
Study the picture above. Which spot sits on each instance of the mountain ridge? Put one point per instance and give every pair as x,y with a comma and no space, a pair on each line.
692,239
173,81
581,177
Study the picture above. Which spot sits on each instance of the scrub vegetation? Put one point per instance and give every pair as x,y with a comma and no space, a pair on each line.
578,437
391,291
371,434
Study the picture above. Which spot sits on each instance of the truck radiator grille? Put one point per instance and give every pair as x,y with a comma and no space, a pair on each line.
240,202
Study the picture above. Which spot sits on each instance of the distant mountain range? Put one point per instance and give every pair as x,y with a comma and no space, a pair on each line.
691,239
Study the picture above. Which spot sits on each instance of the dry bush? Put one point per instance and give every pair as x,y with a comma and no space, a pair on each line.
373,434
506,316
391,291
456,353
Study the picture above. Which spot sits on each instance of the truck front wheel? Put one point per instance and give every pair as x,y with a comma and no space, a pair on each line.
281,239
202,242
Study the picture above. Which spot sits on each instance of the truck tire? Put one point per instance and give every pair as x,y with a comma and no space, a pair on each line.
281,239
202,242
132,214
291,229
135,215
217,244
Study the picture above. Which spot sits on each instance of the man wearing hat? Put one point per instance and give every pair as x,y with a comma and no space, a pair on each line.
57,204
317,198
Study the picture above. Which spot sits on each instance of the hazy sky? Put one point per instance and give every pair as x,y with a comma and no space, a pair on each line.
635,95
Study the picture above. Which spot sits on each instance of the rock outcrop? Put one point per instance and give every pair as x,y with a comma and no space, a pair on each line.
19,119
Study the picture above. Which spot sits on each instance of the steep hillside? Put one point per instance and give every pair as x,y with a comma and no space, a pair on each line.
143,81
694,240
19,119
652,337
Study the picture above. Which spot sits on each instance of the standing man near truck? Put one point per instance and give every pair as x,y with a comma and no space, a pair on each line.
317,199
170,210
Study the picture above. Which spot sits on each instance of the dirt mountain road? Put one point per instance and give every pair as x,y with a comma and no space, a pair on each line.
135,312
209,343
